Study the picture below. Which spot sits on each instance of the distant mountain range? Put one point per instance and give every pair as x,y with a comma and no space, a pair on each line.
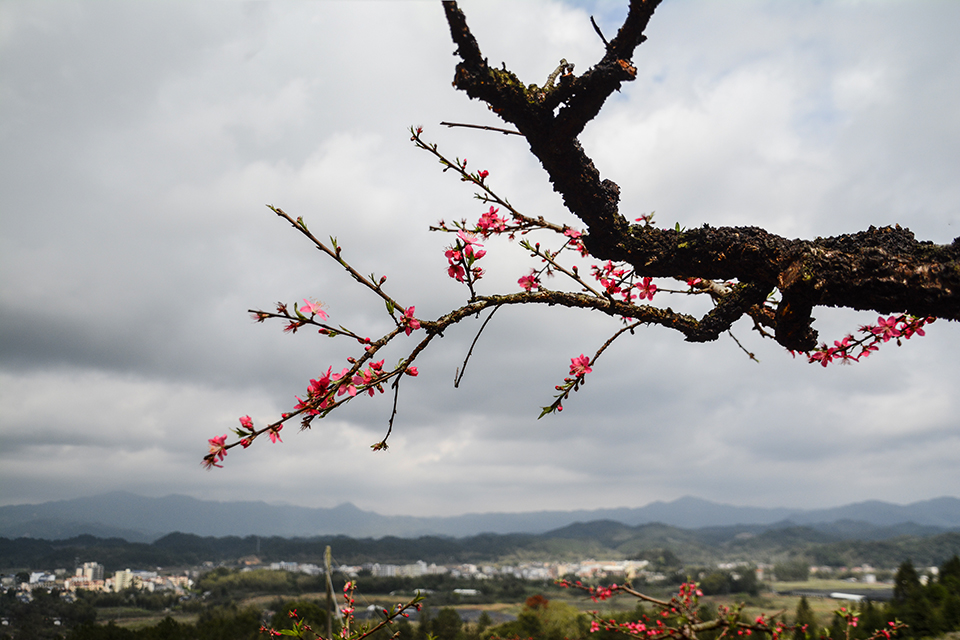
142,519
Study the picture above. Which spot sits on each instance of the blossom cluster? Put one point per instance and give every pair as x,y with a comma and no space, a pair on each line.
852,618
462,255
681,617
614,288
849,350
330,389
579,367
347,630
618,280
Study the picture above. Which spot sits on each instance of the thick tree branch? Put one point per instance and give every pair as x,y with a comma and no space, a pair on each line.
885,270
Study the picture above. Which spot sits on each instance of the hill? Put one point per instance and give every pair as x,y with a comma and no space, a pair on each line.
142,519
665,546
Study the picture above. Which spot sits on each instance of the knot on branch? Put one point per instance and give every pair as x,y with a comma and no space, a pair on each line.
628,69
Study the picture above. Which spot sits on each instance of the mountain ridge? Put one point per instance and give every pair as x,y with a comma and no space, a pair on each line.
144,519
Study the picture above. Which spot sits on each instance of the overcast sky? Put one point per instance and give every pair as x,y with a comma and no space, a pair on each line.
139,144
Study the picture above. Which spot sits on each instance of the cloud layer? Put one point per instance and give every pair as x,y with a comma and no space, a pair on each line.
139,143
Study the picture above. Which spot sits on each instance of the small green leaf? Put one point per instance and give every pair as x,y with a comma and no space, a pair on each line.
390,307
677,227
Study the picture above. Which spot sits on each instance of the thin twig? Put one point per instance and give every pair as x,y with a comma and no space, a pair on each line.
463,369
535,250
742,348
609,341
393,414
644,597
481,126
599,33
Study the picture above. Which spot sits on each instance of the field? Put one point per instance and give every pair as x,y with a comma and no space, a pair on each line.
768,603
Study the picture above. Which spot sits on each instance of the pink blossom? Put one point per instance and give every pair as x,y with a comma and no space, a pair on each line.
886,329
275,434
483,174
572,233
467,238
462,255
218,448
490,222
529,282
823,355
910,329
318,388
410,323
246,422
647,289
346,388
367,377
313,308
610,286
580,366
915,327
474,254
842,350
868,349
412,371
456,272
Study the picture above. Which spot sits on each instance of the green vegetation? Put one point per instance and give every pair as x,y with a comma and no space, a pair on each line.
544,619
44,617
241,600
230,584
932,609
792,571
664,546
805,620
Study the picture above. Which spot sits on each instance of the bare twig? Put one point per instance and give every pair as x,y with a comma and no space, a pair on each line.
463,369
481,126
599,33
742,348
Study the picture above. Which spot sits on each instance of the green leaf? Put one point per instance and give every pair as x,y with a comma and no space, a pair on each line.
390,307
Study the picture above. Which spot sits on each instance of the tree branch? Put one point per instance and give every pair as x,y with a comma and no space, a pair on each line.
885,270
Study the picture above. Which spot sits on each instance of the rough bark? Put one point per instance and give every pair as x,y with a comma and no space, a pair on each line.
884,270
